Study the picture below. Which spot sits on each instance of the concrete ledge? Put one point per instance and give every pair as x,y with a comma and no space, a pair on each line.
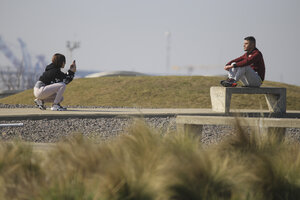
243,121
194,124
8,114
275,97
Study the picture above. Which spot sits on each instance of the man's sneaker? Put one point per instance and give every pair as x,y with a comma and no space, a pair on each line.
58,107
223,81
40,104
228,83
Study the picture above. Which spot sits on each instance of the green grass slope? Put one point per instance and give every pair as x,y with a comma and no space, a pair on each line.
154,92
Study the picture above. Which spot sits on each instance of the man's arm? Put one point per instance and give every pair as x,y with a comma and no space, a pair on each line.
236,60
248,60
232,63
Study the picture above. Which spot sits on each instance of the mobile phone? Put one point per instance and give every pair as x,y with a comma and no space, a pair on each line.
73,64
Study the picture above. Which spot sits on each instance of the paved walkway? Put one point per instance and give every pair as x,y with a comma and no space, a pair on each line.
11,113
34,113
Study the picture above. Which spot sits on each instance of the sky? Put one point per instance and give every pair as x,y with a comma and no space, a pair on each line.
131,34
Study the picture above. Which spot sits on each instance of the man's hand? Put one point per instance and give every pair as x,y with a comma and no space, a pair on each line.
73,66
228,67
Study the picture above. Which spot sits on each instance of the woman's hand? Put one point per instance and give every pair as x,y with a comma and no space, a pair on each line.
73,66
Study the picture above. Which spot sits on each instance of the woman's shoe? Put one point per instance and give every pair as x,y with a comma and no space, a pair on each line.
61,107
40,104
58,107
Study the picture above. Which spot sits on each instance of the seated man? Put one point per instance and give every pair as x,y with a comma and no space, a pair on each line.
249,68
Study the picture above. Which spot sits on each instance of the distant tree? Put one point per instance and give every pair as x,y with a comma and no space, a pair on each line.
18,78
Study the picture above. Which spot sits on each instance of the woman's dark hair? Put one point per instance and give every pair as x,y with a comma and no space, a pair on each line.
58,60
251,39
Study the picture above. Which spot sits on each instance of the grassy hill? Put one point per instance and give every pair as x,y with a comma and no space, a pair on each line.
154,92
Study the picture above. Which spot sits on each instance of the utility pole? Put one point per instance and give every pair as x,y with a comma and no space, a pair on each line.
71,46
168,50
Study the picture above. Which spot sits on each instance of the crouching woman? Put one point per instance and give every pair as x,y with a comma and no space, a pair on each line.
52,83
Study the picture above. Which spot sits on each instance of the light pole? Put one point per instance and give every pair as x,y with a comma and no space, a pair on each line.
71,46
168,50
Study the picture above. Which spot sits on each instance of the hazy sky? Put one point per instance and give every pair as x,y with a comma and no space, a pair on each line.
130,34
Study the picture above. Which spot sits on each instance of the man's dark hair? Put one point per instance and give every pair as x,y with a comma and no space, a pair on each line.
251,39
58,60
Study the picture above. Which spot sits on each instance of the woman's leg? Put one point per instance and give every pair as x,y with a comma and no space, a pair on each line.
54,91
52,98
38,102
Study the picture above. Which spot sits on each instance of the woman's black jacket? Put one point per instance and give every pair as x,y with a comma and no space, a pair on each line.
53,74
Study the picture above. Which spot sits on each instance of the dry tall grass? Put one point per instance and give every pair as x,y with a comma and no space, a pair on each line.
147,165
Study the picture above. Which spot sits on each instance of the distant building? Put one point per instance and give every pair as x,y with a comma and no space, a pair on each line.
115,73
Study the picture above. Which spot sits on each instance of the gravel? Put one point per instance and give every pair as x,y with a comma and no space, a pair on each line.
53,130
16,106
75,106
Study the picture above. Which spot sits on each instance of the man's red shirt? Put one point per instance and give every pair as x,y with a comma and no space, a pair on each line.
254,59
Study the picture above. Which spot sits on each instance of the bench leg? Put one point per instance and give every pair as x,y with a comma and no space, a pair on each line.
220,100
190,128
276,103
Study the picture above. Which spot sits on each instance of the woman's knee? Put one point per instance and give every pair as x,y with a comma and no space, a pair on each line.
37,92
62,85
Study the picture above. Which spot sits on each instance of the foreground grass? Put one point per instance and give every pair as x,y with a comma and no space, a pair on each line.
146,165
155,92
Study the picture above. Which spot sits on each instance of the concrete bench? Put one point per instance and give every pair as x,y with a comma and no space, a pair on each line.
275,97
194,124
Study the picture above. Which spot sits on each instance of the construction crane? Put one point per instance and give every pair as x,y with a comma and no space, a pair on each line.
9,54
40,64
26,57
28,72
